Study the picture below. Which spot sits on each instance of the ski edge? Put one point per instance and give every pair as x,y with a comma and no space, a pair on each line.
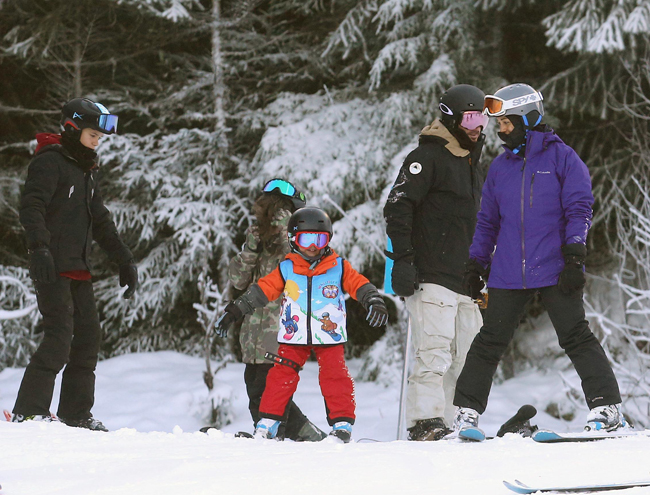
519,487
549,436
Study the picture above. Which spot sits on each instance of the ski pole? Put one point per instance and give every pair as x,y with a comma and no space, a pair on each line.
402,393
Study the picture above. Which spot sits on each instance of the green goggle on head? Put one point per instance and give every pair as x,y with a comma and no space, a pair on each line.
285,188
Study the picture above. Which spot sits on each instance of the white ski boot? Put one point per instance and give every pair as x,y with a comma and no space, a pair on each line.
606,418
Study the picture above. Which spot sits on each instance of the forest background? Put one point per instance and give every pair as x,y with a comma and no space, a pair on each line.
216,97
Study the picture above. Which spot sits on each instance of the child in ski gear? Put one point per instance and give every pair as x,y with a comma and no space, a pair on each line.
266,245
536,211
313,279
62,212
430,217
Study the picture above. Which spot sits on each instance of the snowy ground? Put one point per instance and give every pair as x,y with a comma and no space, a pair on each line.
153,403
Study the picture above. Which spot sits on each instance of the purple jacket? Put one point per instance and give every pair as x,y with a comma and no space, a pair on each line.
531,207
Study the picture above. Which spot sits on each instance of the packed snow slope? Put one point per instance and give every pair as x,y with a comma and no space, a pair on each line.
154,403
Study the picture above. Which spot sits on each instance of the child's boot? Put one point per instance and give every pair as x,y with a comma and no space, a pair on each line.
342,430
266,428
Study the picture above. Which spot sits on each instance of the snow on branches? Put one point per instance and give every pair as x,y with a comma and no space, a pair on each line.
18,317
597,26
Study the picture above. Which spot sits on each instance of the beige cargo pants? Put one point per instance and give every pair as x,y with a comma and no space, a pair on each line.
443,325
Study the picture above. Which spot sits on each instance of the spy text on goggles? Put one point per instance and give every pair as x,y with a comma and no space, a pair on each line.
493,106
307,239
284,187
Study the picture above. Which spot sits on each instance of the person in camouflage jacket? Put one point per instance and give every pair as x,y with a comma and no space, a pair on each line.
265,246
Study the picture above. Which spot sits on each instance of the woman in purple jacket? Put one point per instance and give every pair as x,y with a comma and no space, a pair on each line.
536,212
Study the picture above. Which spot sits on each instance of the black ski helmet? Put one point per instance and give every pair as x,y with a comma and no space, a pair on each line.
458,99
82,113
308,219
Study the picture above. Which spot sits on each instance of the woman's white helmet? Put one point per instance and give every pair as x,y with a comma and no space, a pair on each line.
516,99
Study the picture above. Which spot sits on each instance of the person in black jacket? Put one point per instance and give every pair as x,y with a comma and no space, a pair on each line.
62,212
431,215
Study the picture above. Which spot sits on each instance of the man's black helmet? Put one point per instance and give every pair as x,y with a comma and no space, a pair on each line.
82,113
458,99
308,219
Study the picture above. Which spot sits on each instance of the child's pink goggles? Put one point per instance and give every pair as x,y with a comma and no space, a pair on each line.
307,239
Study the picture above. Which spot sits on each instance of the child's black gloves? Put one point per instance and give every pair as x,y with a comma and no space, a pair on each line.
377,312
369,297
231,314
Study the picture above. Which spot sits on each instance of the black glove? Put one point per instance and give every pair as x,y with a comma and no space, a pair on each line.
129,276
572,277
377,311
41,265
473,278
404,277
231,314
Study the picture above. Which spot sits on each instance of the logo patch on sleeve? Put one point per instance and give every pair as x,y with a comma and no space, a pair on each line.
415,168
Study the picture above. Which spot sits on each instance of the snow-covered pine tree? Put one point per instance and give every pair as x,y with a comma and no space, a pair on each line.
184,186
344,144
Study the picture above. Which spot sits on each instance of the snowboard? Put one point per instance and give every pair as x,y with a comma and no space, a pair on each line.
547,436
519,487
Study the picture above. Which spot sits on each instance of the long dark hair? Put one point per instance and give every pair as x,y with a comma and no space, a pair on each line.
264,209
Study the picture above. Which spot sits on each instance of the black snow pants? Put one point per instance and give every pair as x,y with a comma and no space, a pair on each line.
71,338
255,378
502,317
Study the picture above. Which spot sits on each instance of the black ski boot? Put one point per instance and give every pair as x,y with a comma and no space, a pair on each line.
427,430
87,423
309,432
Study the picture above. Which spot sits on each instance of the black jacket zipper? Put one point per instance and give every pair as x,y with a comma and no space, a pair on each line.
309,339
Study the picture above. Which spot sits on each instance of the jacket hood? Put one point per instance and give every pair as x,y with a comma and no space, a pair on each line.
438,129
46,139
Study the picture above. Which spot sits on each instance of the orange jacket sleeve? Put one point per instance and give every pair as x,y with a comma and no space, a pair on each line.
352,279
272,284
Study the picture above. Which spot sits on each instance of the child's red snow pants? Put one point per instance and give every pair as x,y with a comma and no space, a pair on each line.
335,381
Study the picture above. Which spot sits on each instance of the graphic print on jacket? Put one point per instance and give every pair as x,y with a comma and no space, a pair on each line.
313,307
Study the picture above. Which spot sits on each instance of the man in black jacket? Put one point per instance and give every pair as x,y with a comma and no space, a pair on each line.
62,212
431,215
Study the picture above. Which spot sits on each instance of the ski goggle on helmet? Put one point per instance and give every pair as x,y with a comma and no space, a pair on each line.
82,113
474,119
285,188
495,106
308,239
